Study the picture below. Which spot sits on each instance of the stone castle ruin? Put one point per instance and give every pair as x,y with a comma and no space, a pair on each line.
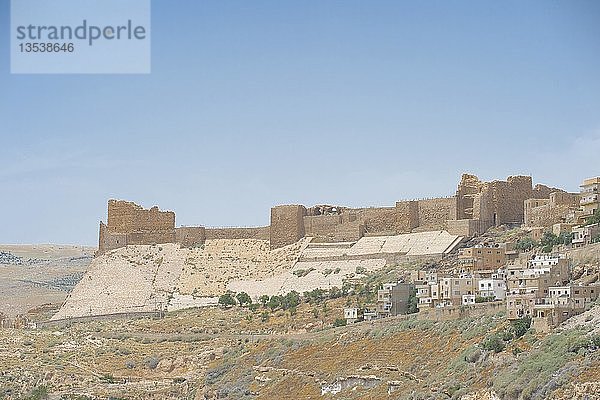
130,224
475,207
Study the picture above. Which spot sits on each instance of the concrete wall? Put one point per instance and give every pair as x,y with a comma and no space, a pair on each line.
458,312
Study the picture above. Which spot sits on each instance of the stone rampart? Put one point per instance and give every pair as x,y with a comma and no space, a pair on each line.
261,233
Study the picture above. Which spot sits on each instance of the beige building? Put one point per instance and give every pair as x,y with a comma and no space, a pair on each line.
562,303
589,201
528,286
450,291
586,234
482,257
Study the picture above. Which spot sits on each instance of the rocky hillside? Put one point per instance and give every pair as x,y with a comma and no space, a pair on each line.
238,353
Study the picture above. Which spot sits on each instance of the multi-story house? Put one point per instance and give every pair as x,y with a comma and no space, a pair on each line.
589,200
482,257
562,303
489,288
451,289
392,299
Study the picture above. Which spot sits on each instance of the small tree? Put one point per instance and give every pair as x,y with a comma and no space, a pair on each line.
493,343
521,326
413,301
594,219
525,244
565,238
243,298
227,300
339,322
274,302
292,299
264,299
549,239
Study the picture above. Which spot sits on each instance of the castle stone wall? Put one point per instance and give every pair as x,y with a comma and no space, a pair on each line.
433,213
377,220
131,224
287,225
322,226
126,217
407,216
190,236
260,233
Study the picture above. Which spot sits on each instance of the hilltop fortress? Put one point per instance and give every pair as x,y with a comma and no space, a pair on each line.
475,207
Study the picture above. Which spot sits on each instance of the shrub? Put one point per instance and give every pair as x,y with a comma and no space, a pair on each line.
227,300
506,335
594,219
264,299
521,326
108,378
39,393
290,300
339,322
525,244
243,298
302,272
264,317
413,302
493,343
274,302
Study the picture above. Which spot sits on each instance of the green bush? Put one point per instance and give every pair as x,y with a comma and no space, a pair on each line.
521,326
594,219
525,244
227,299
493,343
536,368
339,322
264,299
39,393
274,302
243,298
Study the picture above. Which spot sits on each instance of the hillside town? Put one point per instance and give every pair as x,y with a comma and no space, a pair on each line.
532,276
498,275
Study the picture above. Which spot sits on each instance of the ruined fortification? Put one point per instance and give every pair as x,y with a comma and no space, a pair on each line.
130,224
475,207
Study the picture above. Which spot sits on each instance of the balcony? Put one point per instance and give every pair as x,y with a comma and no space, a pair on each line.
588,199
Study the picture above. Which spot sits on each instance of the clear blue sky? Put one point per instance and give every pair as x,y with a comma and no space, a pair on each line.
256,103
